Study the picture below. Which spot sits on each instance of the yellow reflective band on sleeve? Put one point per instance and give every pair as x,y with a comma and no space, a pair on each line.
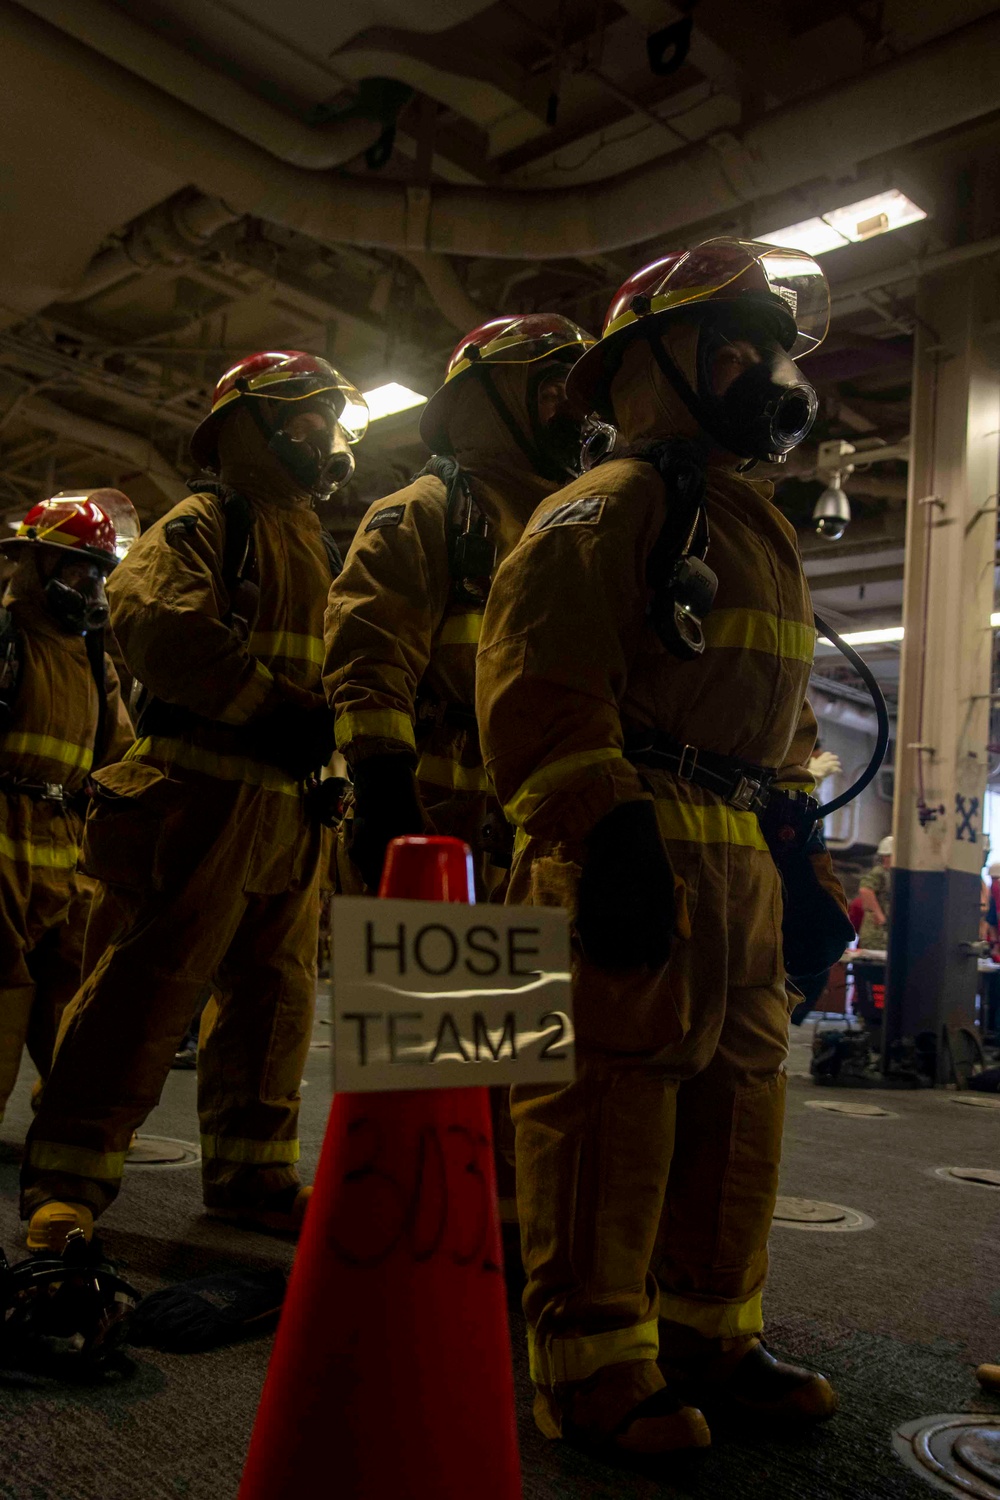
556,1360
42,856
550,778
461,630
259,1153
76,757
77,1161
438,770
287,643
376,724
210,763
249,698
755,630
711,823
714,1320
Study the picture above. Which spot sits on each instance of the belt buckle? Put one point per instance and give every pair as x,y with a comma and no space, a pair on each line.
746,794
53,792
688,763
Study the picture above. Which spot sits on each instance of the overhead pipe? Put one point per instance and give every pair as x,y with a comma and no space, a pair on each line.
113,34
169,234
953,77
105,438
441,280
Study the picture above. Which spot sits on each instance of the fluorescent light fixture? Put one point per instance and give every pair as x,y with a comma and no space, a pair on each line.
862,221
387,400
811,236
846,226
888,634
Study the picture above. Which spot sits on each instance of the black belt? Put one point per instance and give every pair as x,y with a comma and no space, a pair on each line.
48,791
433,712
743,785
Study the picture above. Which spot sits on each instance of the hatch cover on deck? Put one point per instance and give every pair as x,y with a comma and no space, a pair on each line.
161,1151
978,1101
808,1213
959,1454
850,1107
988,1177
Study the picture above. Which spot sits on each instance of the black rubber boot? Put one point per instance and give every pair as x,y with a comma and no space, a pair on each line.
740,1377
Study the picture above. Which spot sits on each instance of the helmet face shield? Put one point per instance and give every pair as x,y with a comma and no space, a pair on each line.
119,510
724,270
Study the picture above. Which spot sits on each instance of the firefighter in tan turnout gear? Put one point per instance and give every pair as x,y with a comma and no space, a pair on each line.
206,835
643,742
404,616
61,716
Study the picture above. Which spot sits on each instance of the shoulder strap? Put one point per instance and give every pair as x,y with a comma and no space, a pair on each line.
472,555
333,556
10,666
94,643
683,584
236,549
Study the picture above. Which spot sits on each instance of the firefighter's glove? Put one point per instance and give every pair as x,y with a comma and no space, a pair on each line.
296,739
626,901
209,1311
386,807
325,800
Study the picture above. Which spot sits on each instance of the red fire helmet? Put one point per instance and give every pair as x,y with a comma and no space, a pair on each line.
517,339
720,270
98,524
280,375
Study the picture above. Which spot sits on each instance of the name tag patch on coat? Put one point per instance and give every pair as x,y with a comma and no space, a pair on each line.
180,527
585,512
391,515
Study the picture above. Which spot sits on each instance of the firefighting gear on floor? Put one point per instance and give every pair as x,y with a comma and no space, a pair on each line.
61,716
645,650
202,838
404,617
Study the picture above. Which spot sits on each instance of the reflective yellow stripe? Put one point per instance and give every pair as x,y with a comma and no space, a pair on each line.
438,770
461,630
288,644
715,1320
577,1359
209,763
53,1156
550,778
231,1148
714,823
42,856
755,630
376,723
77,757
250,696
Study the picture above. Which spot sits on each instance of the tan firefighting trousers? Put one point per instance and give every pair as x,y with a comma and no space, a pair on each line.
43,916
231,899
646,1187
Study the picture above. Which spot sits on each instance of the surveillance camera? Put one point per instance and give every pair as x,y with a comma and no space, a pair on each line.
832,513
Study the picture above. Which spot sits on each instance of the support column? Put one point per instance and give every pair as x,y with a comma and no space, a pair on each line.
941,756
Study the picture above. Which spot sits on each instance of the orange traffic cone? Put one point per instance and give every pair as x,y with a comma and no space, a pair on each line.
391,1373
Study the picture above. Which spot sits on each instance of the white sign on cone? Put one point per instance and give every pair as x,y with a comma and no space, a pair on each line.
430,995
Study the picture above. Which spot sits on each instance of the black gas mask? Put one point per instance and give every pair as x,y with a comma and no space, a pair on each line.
77,603
321,459
770,407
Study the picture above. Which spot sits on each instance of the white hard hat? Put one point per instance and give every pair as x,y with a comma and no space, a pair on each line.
886,845
994,870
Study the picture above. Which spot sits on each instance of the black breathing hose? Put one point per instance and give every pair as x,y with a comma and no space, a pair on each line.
881,712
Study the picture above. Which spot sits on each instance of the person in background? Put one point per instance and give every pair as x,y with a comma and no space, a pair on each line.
875,893
207,836
61,716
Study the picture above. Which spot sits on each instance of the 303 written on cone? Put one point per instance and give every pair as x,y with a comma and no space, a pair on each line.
428,995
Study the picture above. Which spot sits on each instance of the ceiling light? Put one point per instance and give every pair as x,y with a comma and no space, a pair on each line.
387,400
889,634
845,226
811,236
871,216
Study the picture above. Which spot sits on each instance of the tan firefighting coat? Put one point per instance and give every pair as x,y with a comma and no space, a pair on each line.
43,898
400,643
678,1105
208,856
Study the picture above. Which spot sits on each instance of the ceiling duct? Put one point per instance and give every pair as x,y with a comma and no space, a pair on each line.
102,437
953,80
